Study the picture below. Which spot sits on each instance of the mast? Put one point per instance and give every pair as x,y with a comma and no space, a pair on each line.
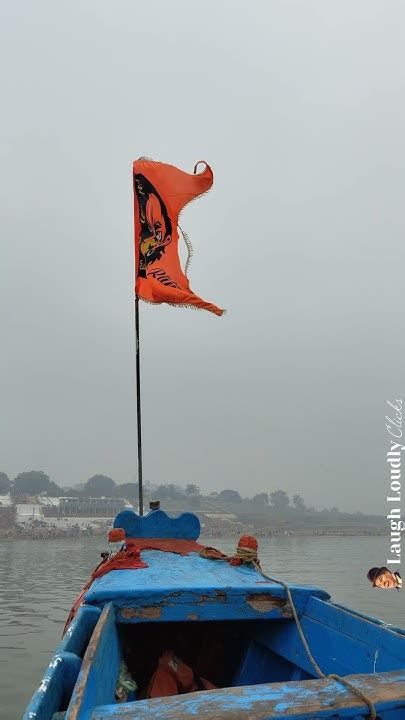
138,405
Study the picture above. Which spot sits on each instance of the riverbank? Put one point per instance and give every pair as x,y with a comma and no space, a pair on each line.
53,533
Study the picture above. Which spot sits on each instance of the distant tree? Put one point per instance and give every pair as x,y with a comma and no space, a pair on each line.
99,486
54,490
174,493
261,499
70,492
279,499
192,490
128,490
195,501
166,492
5,484
162,492
229,496
32,482
298,501
334,510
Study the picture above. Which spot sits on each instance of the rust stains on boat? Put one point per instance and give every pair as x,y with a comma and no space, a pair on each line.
265,603
219,597
147,613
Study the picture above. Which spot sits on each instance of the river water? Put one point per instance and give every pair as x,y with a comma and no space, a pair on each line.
40,579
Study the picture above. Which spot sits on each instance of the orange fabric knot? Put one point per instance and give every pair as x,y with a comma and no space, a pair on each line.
246,552
116,535
125,559
248,541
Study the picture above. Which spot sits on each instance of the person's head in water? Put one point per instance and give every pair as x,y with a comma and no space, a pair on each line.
384,578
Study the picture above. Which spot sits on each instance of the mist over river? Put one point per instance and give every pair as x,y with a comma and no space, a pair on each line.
40,580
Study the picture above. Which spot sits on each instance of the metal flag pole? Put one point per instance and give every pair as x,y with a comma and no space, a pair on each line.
138,405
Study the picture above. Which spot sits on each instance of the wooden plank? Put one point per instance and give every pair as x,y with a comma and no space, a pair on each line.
389,642
206,605
98,675
339,642
299,700
80,629
384,625
57,683
333,652
173,588
61,675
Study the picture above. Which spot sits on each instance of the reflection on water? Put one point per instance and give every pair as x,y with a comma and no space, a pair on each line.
40,579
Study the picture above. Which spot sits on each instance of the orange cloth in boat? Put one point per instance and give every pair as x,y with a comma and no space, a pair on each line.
129,558
173,545
160,193
124,559
174,677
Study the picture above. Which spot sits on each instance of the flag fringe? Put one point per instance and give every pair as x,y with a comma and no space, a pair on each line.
189,247
179,305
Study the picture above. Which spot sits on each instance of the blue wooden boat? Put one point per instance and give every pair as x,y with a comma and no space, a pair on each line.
229,623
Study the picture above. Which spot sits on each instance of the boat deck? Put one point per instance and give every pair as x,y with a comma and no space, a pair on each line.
211,589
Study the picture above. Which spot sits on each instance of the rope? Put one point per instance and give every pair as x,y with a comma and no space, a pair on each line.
249,555
242,555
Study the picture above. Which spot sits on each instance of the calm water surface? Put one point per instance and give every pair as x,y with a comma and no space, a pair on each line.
40,579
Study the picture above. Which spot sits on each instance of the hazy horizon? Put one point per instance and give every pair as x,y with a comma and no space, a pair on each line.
299,108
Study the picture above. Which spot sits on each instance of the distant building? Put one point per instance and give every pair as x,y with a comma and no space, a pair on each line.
28,512
87,507
230,517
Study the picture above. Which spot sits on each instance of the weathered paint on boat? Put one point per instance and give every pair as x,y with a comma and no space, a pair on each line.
273,677
319,698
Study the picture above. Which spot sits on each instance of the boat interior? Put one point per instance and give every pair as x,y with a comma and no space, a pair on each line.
265,657
226,653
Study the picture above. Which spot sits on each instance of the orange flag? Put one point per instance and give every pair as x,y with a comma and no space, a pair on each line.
160,193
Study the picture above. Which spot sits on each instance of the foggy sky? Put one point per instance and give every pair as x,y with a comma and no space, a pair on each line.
299,108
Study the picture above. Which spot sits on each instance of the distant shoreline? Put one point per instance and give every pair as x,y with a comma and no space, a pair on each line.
38,535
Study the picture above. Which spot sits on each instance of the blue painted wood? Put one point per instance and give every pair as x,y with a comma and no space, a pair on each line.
256,667
78,633
384,625
59,679
324,698
340,642
56,684
387,639
192,588
97,678
157,524
174,588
